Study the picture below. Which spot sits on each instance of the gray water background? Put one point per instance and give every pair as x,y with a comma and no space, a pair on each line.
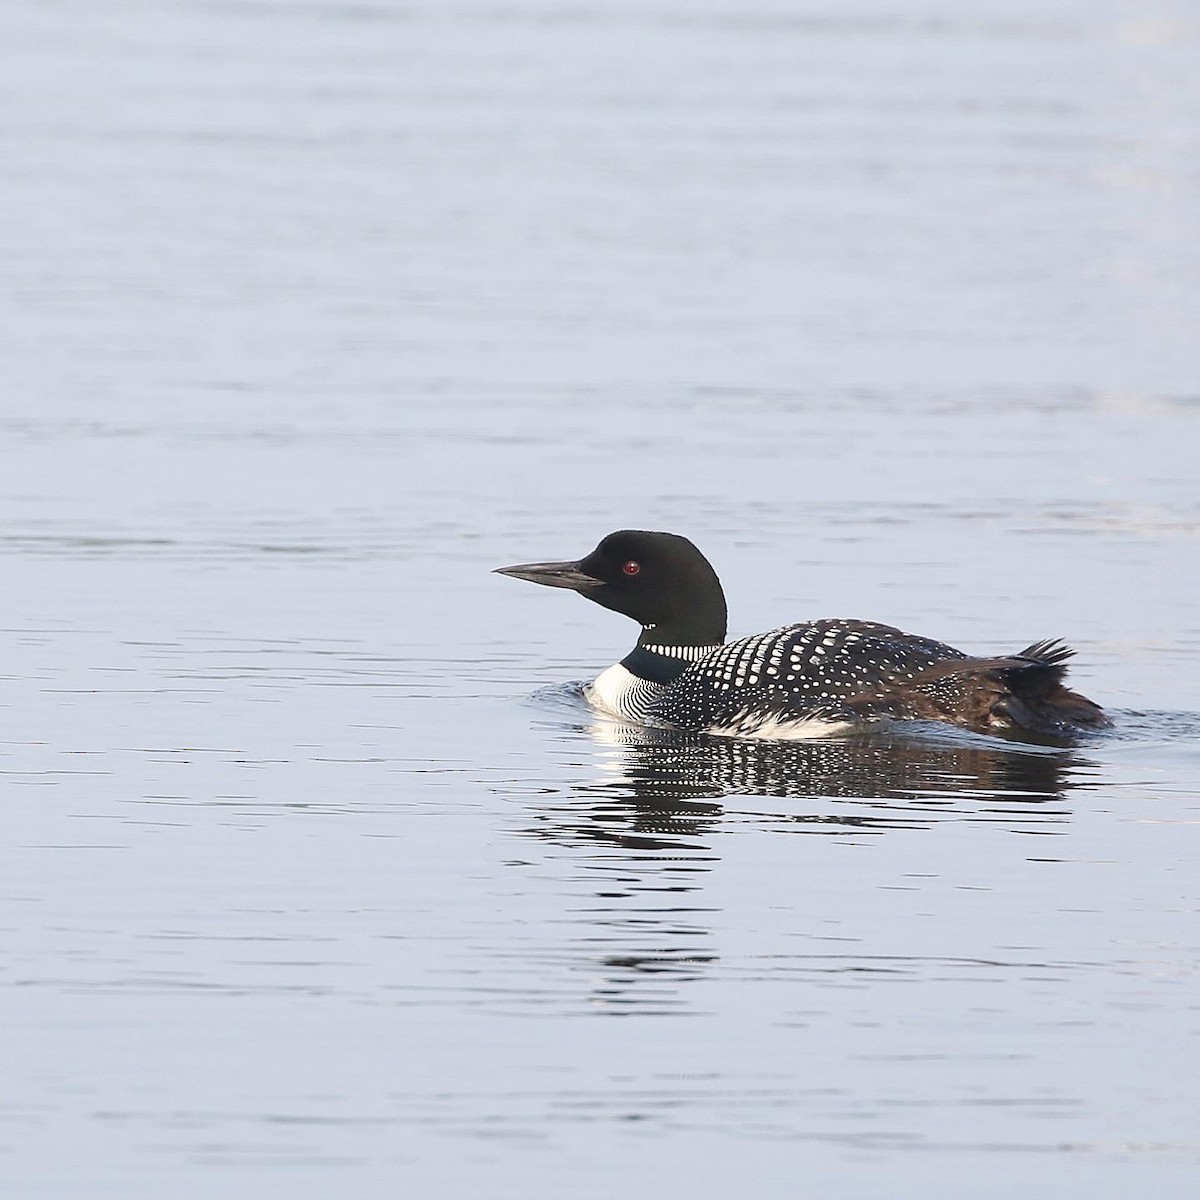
314,878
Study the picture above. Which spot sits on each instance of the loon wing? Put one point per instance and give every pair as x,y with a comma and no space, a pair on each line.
1018,692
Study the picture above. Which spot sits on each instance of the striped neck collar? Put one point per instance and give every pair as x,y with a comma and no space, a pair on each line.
686,653
661,663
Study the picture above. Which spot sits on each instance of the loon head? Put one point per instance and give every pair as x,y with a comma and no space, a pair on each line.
659,579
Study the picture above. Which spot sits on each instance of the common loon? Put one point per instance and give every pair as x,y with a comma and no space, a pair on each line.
797,681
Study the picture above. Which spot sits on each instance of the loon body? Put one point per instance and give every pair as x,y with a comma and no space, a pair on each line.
796,681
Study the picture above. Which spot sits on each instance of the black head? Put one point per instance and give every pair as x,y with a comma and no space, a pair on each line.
659,579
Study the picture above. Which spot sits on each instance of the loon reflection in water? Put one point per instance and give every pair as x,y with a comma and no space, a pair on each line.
663,785
645,835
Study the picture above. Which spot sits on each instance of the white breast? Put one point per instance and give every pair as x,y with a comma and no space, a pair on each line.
620,693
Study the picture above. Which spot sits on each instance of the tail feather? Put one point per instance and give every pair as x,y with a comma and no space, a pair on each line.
1052,652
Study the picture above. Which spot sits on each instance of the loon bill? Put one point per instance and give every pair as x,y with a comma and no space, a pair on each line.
800,680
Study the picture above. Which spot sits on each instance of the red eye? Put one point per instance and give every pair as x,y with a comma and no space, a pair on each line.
632,568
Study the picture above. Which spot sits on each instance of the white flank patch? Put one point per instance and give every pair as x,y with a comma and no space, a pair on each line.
781,729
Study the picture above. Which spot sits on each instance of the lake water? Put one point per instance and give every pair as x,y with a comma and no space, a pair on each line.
315,878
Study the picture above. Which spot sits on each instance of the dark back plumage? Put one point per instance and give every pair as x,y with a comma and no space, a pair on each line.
804,668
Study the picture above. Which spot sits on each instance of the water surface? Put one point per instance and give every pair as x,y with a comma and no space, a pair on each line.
315,878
